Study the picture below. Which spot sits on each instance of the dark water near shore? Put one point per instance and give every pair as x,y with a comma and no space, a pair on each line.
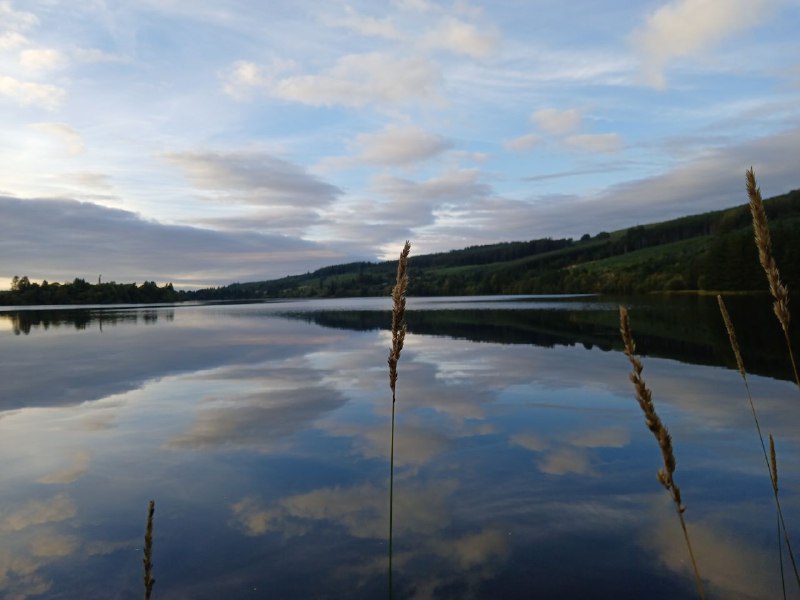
523,468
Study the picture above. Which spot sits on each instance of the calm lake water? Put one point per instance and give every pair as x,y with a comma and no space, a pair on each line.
523,467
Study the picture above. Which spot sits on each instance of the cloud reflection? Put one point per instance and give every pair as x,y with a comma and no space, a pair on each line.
68,474
37,512
732,566
259,420
362,510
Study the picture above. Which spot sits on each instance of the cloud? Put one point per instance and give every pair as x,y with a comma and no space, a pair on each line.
368,26
474,550
565,460
415,203
254,178
732,567
397,145
361,510
289,220
688,27
16,19
417,446
707,182
63,239
71,138
260,420
41,59
607,437
53,545
70,473
12,39
93,55
464,38
27,93
557,122
530,441
39,512
414,5
355,80
596,142
522,143
97,181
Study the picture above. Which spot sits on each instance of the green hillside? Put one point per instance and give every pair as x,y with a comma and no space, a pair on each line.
709,251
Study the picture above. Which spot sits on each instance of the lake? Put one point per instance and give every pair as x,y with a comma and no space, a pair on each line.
523,467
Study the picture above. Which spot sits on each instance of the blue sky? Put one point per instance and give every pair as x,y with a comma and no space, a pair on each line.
204,142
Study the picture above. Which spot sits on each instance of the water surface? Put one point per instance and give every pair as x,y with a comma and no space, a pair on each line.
523,466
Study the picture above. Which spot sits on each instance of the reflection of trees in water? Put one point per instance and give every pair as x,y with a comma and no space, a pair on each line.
684,328
22,322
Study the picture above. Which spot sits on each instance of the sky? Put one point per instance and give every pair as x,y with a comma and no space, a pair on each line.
202,142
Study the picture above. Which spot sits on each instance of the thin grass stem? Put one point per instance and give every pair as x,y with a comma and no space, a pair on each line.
771,461
398,337
665,475
148,552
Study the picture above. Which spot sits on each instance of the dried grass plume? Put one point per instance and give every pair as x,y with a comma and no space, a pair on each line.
398,316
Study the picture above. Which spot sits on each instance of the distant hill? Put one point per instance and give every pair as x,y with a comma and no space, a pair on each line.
712,251
709,251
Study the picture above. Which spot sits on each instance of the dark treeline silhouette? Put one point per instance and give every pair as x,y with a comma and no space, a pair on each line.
25,321
79,291
687,328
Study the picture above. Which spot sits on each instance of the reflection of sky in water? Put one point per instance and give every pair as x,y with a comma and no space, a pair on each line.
521,471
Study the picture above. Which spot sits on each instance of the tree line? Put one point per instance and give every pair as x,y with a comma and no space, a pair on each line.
79,291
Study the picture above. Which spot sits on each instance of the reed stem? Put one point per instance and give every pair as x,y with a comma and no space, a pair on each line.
645,398
148,552
398,337
770,462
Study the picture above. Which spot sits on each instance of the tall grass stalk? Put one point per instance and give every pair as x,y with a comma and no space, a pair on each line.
770,462
773,472
148,552
398,337
654,424
764,244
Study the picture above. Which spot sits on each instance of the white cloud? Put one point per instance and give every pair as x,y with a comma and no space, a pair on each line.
355,80
464,38
70,473
12,39
38,512
565,460
557,122
522,143
93,55
530,441
40,59
414,5
399,145
253,178
453,185
71,138
607,437
596,142
16,20
687,27
245,76
369,26
27,93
